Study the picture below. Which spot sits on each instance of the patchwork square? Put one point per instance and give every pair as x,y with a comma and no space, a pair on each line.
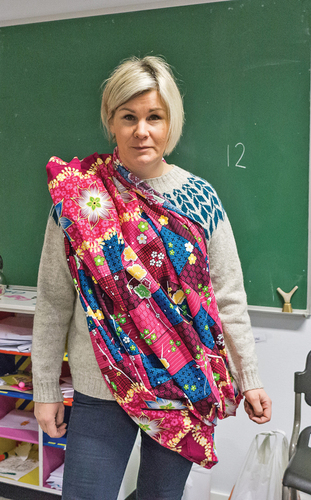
112,251
172,351
193,382
169,390
87,287
175,247
115,352
202,322
156,372
169,309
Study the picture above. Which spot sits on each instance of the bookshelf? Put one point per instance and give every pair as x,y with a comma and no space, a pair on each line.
51,451
19,301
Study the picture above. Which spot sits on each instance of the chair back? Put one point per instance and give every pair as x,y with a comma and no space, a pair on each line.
303,381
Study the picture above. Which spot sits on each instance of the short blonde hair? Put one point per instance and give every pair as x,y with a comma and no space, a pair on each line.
136,76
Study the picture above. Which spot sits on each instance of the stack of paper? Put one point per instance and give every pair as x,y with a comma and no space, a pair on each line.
66,387
19,419
17,298
16,333
55,480
22,460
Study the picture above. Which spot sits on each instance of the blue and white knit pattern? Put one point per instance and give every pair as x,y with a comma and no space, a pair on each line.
199,199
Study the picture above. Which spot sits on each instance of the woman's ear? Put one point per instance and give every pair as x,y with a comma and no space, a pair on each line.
111,126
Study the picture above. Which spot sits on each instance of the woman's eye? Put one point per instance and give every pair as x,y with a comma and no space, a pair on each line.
129,117
155,117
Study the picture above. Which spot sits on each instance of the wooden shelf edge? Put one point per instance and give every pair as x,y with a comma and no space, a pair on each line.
16,353
19,435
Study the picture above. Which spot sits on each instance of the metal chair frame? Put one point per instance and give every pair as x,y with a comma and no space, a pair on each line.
302,384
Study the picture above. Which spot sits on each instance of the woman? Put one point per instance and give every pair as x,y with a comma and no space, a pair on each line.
139,263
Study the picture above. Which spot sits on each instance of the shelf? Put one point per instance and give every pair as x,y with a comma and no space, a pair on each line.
16,353
21,353
19,435
16,301
52,490
59,443
19,299
29,480
52,459
16,394
54,442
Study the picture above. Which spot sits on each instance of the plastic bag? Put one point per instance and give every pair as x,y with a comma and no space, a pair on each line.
263,469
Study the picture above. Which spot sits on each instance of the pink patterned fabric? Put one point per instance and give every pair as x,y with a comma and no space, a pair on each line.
141,270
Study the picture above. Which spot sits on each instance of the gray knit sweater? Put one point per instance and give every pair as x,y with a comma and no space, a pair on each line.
60,319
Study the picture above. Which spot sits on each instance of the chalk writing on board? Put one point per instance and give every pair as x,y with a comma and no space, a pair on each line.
238,162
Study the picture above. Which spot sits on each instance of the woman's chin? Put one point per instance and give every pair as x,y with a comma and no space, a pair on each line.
144,165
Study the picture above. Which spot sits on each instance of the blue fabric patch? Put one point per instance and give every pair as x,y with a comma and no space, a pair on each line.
86,284
165,305
128,344
112,325
201,322
55,214
175,248
156,372
193,382
112,252
113,348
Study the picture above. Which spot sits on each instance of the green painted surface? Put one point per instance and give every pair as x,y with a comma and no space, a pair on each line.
243,68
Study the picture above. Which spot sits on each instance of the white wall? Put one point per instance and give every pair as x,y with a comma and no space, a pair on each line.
21,12
288,338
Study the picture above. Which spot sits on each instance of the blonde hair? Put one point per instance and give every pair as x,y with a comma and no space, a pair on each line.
136,76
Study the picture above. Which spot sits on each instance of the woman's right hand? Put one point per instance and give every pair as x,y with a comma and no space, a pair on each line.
50,417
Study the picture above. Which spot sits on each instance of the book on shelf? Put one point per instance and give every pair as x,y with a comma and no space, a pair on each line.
55,480
16,333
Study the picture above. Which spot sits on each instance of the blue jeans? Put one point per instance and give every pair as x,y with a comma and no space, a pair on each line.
99,442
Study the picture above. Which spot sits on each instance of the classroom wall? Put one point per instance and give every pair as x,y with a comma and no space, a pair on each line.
285,340
14,12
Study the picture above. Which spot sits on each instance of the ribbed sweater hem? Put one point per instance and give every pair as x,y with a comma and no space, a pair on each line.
91,386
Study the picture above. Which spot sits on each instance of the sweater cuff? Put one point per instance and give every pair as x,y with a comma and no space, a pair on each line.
47,392
249,380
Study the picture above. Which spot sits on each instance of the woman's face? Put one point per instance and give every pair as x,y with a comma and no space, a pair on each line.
141,129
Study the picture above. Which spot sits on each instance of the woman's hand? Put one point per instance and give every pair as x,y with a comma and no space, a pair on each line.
257,405
50,417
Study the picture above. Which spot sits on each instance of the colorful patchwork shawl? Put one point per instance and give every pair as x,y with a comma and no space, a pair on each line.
141,270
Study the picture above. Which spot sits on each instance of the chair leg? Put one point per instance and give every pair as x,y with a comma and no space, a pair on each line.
285,493
289,494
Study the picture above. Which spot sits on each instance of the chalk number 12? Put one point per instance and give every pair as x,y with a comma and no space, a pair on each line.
238,162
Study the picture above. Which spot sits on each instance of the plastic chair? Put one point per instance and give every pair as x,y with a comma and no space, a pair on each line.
297,476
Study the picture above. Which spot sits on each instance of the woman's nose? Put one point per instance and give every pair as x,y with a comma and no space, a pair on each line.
141,130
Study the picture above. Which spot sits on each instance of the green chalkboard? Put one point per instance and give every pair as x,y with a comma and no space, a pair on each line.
243,68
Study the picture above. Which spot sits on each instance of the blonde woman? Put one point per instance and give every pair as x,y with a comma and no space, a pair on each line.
138,259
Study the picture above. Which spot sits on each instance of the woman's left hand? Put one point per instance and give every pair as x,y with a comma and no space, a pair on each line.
257,405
